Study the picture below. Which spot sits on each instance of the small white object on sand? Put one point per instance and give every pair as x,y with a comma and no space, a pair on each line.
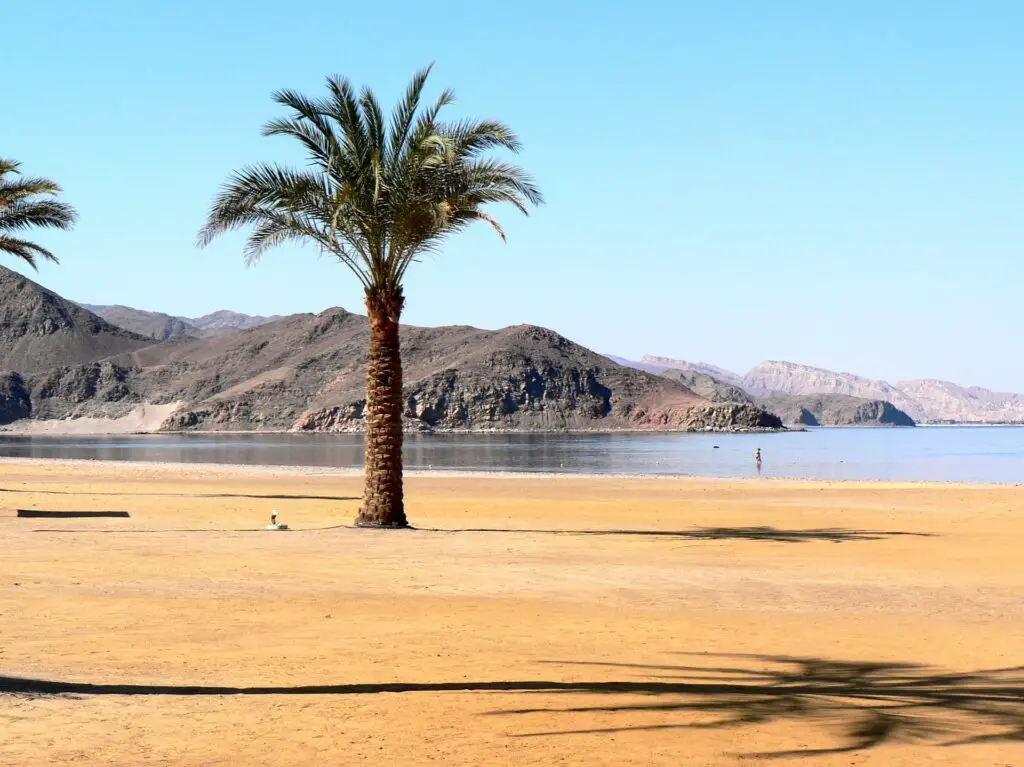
274,525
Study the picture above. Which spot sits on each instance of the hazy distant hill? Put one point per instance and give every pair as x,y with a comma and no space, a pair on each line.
834,410
229,322
156,325
774,378
945,401
163,327
719,374
708,386
816,410
40,330
925,400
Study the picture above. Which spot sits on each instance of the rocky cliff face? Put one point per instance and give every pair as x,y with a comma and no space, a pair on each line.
101,389
15,399
834,410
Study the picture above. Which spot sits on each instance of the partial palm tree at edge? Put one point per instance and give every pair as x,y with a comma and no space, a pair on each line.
20,210
377,196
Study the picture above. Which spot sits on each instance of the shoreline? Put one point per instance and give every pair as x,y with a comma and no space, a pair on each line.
286,470
29,430
41,431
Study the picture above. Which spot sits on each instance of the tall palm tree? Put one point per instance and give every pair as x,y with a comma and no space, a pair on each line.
20,209
377,195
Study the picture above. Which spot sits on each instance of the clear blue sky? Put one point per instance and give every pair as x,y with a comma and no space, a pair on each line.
838,184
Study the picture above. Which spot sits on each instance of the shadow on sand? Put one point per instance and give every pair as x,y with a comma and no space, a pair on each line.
758,533
867,704
767,534
258,496
41,514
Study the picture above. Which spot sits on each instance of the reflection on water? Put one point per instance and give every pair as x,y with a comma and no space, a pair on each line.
965,454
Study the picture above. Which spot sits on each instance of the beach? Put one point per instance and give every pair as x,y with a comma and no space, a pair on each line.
526,620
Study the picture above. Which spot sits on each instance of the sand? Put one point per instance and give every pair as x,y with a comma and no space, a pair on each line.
528,621
141,419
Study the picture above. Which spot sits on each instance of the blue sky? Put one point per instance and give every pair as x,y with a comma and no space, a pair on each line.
835,184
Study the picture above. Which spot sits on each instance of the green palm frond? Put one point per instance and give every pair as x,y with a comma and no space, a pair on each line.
20,211
378,193
26,251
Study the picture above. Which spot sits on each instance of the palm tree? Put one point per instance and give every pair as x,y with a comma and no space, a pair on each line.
377,196
20,210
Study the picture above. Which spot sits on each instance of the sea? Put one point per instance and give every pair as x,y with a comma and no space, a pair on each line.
977,454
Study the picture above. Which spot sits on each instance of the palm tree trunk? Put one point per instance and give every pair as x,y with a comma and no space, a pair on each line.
383,505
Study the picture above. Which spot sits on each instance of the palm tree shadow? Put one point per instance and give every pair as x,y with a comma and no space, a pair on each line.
750,533
866,704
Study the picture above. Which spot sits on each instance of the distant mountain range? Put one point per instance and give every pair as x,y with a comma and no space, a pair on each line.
797,410
164,327
925,400
70,370
116,367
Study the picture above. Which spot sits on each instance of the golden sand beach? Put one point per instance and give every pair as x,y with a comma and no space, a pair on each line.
526,621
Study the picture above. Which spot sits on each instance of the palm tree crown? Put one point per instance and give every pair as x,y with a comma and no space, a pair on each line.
378,194
20,210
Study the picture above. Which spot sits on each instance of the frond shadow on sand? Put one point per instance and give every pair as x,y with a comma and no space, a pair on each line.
861,704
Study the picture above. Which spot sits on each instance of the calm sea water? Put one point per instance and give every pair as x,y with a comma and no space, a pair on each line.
954,454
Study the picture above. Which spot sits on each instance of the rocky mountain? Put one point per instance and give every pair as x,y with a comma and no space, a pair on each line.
774,378
163,327
834,410
820,410
943,401
924,400
39,330
307,372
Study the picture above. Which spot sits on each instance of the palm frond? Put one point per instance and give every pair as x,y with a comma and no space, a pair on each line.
404,114
8,166
13,191
20,211
344,109
48,214
26,251
472,137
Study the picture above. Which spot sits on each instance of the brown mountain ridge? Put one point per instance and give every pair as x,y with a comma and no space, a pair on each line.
306,372
40,330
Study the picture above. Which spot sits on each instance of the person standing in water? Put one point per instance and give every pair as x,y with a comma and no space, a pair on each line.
757,460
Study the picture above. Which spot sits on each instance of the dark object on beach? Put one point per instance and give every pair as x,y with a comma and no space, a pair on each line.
34,513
